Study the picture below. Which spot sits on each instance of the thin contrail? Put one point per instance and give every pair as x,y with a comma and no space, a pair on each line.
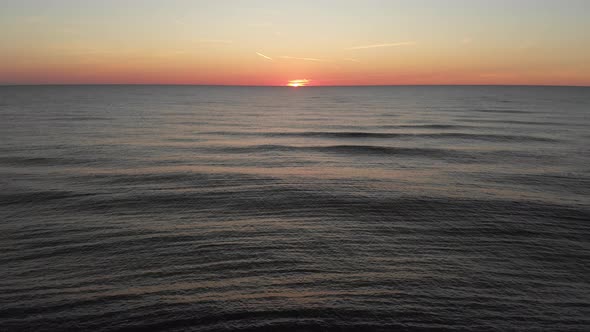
381,45
264,56
304,59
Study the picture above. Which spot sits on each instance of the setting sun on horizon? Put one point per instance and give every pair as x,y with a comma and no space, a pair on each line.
298,83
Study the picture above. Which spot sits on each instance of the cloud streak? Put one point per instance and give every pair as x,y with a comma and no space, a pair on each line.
304,59
264,56
362,47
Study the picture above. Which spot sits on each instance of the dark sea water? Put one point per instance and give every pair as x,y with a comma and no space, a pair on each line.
231,208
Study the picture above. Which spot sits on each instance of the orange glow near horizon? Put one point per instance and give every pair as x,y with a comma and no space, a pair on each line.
370,42
298,83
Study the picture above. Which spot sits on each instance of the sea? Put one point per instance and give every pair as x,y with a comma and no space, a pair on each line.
208,208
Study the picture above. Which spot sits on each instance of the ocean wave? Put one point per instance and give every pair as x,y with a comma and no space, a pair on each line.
249,195
364,134
522,122
38,197
577,184
448,155
344,149
43,161
429,126
502,111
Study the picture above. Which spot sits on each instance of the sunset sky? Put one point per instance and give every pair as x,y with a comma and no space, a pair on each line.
319,42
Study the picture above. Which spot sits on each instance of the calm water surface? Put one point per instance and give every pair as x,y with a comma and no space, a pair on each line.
229,208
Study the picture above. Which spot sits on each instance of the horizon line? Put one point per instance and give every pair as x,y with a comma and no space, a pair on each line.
286,86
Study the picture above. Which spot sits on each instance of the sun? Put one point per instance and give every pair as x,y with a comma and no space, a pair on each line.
298,83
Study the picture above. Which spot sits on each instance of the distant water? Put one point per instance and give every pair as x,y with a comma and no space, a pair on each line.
230,208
